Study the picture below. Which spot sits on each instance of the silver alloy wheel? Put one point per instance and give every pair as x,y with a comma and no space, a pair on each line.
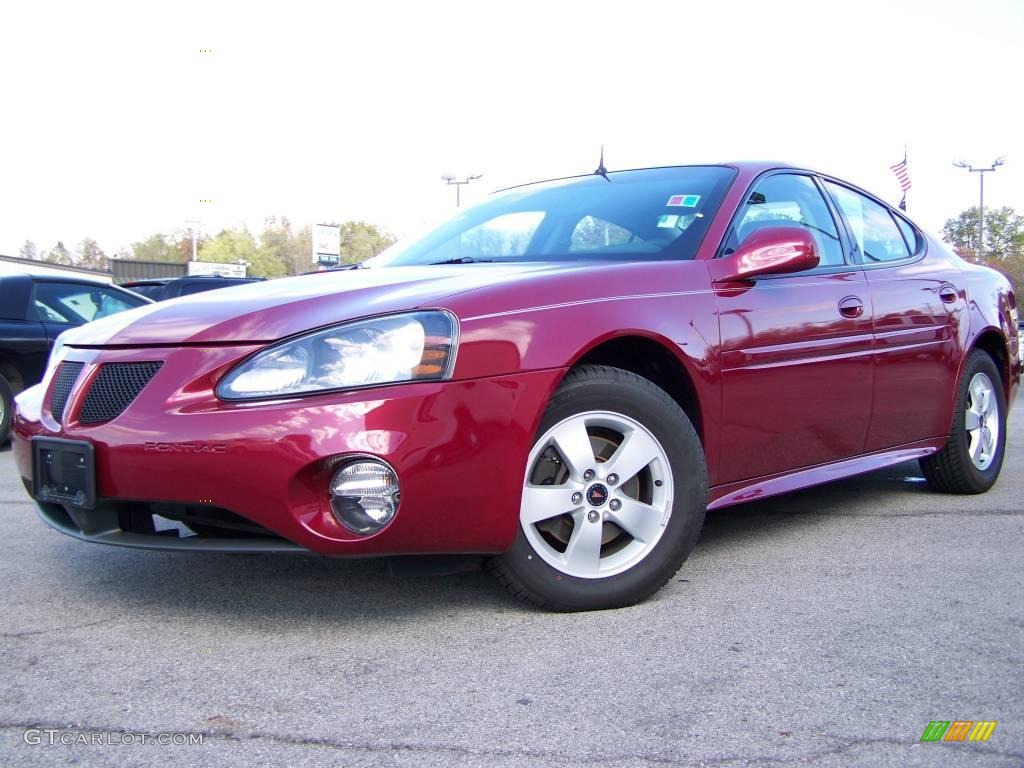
982,421
597,494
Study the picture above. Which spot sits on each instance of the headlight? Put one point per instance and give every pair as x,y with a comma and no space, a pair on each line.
416,346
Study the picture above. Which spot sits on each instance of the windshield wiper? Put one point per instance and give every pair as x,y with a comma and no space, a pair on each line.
462,260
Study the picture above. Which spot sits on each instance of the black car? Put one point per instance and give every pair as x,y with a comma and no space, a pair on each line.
34,311
162,288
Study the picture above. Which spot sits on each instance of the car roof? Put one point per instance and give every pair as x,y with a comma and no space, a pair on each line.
51,278
745,167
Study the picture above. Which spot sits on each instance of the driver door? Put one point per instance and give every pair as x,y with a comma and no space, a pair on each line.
796,348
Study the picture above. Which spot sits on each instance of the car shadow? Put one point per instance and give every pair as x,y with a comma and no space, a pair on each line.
294,589
812,506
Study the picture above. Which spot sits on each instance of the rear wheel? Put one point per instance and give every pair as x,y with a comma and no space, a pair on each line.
613,496
971,460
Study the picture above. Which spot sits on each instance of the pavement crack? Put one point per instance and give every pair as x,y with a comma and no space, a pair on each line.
548,757
34,632
932,513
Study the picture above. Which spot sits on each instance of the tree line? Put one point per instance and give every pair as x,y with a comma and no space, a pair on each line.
279,249
1003,246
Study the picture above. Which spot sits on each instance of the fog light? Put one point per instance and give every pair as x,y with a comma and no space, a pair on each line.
364,495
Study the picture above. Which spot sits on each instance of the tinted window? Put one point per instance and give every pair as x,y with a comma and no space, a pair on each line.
790,200
876,234
76,304
202,284
149,291
659,213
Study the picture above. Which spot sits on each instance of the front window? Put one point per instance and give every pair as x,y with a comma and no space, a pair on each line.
789,200
659,213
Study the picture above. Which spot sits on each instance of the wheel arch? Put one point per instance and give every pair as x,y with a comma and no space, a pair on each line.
994,344
654,358
13,375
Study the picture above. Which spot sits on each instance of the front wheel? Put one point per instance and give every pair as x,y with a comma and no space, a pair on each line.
971,460
613,499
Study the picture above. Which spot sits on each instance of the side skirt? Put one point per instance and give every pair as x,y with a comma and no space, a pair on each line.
772,485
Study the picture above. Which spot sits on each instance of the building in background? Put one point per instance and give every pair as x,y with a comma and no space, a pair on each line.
14,265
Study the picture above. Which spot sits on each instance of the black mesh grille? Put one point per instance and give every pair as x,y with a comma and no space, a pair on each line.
113,389
63,383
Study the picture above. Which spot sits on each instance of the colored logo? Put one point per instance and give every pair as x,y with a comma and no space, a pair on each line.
958,730
597,495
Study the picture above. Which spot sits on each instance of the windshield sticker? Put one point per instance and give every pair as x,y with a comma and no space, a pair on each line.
668,220
683,201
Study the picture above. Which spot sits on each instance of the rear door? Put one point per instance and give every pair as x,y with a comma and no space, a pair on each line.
918,306
796,349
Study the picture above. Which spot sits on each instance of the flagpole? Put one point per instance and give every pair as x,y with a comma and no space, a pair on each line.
903,202
903,177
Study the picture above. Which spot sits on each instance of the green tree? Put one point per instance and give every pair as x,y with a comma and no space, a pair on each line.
1004,239
158,247
29,251
302,253
361,241
282,251
231,246
91,256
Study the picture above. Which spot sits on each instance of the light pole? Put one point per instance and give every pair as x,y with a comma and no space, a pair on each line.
193,230
981,201
452,181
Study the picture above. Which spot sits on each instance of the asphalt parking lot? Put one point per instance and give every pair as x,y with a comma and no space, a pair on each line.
822,628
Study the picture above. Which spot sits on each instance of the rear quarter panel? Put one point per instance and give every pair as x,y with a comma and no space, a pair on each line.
992,308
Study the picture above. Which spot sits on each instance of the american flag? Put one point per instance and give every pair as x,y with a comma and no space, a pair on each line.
902,174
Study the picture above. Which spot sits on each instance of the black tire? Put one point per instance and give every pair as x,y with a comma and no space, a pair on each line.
600,388
6,409
951,470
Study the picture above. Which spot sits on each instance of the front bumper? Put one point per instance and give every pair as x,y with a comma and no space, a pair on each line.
459,448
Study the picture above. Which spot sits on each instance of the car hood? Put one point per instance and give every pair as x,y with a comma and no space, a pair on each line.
270,310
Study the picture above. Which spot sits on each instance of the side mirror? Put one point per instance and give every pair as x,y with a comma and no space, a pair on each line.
768,251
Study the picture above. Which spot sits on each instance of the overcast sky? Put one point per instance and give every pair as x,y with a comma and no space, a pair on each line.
115,125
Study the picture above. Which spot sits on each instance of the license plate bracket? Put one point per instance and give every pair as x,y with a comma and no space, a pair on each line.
64,471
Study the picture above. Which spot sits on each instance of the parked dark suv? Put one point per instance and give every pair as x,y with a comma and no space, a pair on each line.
34,311
162,288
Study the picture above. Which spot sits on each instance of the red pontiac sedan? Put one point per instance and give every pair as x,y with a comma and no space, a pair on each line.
563,378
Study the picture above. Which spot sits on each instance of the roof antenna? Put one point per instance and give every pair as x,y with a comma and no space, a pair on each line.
601,170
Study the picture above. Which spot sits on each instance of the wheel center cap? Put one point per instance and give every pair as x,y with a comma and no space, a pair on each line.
597,494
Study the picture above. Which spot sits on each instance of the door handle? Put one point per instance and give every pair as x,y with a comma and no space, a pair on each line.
851,307
948,293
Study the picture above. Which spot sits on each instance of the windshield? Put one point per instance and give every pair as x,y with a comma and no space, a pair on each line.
659,213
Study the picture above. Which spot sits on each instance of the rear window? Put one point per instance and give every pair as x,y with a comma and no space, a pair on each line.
876,234
659,213
149,291
208,284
